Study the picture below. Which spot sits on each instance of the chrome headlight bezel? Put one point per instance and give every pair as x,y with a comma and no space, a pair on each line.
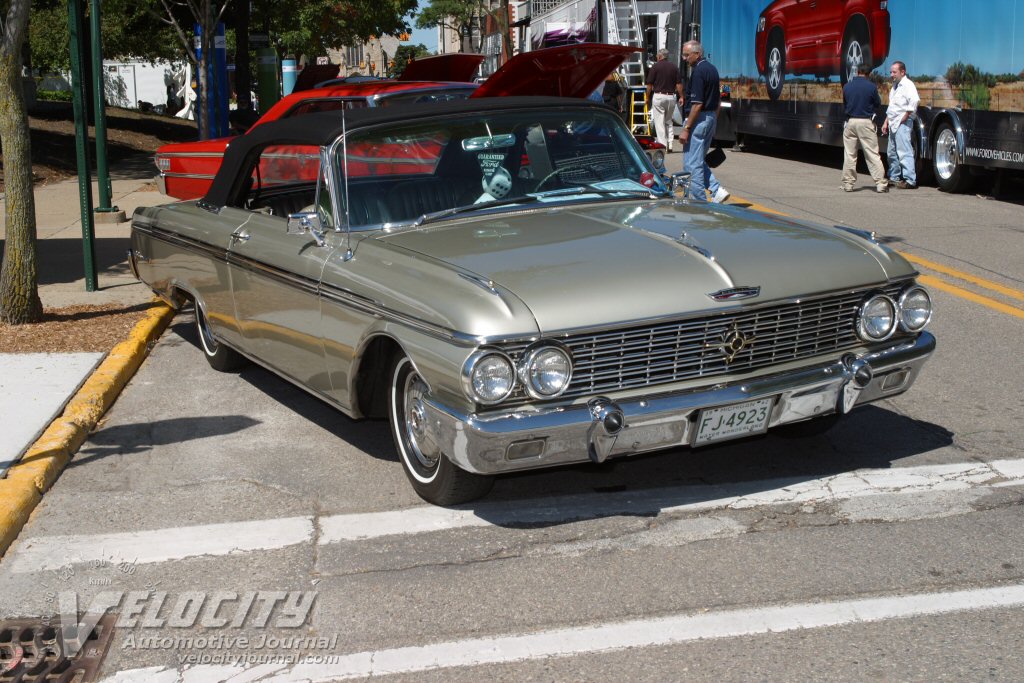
473,363
904,296
530,358
862,329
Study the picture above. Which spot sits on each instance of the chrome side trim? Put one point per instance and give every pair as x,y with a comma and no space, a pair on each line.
198,176
371,307
190,154
180,240
303,284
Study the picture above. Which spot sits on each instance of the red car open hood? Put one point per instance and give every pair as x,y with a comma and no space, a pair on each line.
566,71
455,67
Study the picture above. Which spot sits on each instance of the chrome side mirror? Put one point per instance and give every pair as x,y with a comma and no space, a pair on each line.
307,224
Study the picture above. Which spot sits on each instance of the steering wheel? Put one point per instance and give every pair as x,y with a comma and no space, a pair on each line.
549,176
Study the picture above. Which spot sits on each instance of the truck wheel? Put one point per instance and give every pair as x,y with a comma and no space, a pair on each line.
775,65
434,477
950,174
220,357
856,51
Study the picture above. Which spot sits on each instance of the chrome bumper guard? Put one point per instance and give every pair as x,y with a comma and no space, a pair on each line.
528,438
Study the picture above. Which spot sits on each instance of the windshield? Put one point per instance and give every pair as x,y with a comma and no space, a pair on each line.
399,173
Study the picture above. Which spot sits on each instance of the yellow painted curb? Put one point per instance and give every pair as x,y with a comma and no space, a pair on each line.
42,463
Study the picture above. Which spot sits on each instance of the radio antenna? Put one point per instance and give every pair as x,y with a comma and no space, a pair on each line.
344,171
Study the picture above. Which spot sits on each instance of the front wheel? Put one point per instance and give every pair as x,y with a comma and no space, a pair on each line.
950,174
433,476
775,66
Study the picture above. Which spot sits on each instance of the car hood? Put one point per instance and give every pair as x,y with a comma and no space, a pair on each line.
566,71
595,264
458,67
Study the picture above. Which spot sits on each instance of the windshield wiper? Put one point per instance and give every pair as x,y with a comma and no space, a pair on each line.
444,213
522,199
593,189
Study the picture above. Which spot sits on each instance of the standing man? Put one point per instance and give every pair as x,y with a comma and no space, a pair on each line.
700,107
861,101
899,124
663,88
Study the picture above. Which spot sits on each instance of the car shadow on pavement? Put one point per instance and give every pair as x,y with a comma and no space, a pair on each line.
139,437
871,437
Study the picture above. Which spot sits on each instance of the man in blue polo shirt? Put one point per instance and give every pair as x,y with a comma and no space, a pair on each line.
861,101
701,108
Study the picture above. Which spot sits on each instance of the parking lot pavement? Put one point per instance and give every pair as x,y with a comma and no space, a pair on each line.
887,549
201,484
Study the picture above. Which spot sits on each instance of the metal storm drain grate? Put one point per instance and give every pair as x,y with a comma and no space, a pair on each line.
33,652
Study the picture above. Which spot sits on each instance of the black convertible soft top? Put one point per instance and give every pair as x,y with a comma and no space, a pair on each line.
323,128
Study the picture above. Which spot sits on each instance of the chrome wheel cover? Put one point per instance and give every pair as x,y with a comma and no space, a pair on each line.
947,155
774,68
414,424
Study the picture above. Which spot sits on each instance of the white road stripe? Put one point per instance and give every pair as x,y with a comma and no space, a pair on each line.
607,637
159,545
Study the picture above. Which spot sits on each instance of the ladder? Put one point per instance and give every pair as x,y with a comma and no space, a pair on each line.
639,116
623,17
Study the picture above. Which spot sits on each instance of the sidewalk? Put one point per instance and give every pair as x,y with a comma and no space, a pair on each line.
34,388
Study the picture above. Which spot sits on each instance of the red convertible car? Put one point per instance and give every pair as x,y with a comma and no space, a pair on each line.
187,169
820,38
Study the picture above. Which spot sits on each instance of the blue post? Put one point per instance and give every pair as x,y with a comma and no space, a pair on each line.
288,75
217,77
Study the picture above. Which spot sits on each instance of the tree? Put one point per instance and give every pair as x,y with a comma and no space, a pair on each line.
405,54
461,15
207,14
19,285
456,15
129,28
313,26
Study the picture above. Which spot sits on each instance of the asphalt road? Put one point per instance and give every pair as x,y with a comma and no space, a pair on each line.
889,549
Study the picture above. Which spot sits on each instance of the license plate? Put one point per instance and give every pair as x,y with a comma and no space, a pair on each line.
731,422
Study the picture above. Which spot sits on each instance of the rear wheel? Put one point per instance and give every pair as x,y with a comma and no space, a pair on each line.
856,51
434,477
775,65
950,174
220,357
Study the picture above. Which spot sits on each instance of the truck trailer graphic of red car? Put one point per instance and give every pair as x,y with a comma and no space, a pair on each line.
821,38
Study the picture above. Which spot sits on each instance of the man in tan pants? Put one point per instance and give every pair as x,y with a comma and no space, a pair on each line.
861,101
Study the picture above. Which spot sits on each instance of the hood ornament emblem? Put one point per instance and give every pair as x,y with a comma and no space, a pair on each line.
734,293
734,340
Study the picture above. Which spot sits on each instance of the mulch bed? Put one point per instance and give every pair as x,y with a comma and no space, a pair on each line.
73,329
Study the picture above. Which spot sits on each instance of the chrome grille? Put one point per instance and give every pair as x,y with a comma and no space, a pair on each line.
686,349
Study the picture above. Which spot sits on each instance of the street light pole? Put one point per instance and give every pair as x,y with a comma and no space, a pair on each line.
105,212
76,29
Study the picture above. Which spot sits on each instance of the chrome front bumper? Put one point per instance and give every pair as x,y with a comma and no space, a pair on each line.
528,438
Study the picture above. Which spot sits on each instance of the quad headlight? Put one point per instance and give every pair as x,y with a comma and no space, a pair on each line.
488,377
545,371
876,318
915,309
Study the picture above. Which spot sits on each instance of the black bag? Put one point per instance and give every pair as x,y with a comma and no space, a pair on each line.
715,157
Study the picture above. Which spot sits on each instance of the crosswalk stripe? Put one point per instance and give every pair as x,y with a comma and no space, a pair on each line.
607,637
160,545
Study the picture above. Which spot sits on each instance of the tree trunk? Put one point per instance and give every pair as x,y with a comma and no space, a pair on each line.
19,293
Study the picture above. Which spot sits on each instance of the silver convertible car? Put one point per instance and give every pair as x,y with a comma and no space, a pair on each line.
512,285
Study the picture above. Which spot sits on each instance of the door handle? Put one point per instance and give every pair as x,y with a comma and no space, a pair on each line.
239,237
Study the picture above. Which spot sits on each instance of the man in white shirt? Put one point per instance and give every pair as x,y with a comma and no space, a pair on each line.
899,124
